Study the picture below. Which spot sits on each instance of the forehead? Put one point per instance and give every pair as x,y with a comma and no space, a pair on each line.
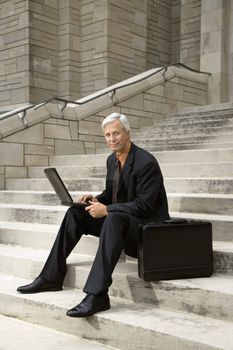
113,126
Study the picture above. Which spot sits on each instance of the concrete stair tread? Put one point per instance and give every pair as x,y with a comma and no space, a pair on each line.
32,336
28,226
176,155
39,254
201,195
205,217
34,206
196,330
124,267
185,129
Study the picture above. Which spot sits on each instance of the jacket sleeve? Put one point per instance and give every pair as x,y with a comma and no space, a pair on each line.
148,185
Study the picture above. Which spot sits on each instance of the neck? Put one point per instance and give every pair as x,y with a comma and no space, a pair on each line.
122,155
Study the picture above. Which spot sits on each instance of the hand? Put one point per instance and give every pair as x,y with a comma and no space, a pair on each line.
86,198
97,210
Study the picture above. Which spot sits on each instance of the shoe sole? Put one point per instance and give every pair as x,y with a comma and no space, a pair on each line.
89,314
40,291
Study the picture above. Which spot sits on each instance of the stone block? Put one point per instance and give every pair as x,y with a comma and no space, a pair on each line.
174,91
90,128
211,62
39,150
212,21
208,5
54,108
62,122
74,130
10,125
57,131
2,182
34,116
11,154
157,90
19,95
211,42
36,160
63,147
16,172
134,102
33,135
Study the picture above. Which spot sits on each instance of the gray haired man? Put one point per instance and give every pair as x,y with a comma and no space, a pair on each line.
134,194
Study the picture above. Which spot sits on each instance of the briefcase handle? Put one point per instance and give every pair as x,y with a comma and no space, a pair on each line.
175,221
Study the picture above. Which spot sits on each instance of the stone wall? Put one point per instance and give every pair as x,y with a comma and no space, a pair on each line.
159,28
127,39
14,52
217,48
43,50
77,130
73,48
190,30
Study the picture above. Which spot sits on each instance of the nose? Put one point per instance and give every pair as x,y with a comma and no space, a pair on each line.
112,138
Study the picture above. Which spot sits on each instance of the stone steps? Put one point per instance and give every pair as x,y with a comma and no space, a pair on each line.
182,202
51,215
172,130
186,146
222,224
174,294
197,162
126,325
199,185
167,156
186,140
32,336
176,185
168,170
189,119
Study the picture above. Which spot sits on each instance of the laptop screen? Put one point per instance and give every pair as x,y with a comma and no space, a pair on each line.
58,185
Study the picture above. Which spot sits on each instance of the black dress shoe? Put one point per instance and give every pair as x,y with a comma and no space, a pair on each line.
39,285
90,305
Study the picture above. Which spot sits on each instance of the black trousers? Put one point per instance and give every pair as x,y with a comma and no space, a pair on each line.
117,232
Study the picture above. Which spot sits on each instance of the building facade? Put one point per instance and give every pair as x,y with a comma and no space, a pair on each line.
72,48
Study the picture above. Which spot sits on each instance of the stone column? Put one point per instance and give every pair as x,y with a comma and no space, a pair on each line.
214,47
69,49
190,33
14,50
43,50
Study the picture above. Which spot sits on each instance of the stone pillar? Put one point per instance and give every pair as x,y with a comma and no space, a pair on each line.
228,27
214,47
159,33
43,52
190,17
175,32
94,47
14,51
69,49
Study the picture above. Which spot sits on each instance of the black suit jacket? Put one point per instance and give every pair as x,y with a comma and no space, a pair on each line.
141,190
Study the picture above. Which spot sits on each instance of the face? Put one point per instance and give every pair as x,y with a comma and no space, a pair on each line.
117,138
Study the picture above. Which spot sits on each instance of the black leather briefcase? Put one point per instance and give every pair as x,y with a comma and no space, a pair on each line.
175,249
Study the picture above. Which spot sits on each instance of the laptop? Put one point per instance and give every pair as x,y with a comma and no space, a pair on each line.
61,190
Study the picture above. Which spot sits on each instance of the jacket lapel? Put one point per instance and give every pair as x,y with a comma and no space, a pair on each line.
127,168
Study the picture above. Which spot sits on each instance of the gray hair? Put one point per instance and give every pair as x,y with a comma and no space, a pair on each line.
116,116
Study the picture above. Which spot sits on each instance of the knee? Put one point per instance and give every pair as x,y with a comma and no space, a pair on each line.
74,214
116,221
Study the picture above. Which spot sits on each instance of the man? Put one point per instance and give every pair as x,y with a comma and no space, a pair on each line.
134,194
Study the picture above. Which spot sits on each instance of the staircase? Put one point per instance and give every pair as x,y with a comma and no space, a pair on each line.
195,151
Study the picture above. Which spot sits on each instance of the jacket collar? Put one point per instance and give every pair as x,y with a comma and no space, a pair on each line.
127,168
